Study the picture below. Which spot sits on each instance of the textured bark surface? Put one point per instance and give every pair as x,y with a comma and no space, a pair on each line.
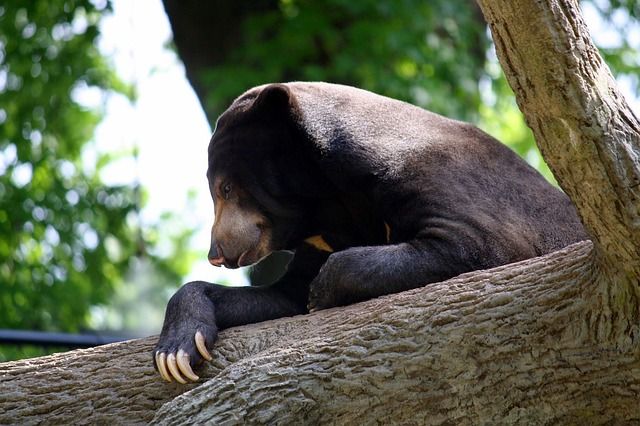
554,339
107,384
507,345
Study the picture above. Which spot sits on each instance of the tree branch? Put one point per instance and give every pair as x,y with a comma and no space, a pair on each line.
470,350
585,129
589,137
430,353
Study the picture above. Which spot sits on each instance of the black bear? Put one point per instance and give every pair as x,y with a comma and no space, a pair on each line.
375,196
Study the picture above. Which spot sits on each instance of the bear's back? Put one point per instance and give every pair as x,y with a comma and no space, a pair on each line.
453,165
438,171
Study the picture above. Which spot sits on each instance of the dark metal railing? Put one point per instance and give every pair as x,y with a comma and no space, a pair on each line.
49,339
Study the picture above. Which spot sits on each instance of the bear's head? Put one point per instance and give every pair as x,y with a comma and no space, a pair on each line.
263,181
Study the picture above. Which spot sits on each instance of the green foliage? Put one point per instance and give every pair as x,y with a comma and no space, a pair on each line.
66,239
500,117
621,51
428,53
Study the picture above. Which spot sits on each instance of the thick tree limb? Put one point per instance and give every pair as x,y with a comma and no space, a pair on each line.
428,355
501,346
587,134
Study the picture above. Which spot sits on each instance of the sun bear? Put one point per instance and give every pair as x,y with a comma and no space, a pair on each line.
374,195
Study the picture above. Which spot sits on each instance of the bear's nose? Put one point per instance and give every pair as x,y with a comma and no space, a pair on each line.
216,257
217,261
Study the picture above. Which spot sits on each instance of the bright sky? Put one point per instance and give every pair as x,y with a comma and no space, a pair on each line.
166,123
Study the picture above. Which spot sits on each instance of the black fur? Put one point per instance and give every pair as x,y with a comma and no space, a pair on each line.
317,158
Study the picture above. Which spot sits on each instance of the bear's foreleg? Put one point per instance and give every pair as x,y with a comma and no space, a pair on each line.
199,309
362,273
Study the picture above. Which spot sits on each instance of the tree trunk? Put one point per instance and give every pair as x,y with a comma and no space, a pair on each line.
589,137
555,339
205,33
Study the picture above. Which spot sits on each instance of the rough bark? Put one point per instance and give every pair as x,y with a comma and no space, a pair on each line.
554,339
490,346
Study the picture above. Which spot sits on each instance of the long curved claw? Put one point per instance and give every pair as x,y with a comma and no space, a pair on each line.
173,368
183,364
161,359
202,348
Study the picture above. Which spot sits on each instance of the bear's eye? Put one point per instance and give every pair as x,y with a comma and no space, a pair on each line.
226,190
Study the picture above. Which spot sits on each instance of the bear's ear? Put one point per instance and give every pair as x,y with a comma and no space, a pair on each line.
273,98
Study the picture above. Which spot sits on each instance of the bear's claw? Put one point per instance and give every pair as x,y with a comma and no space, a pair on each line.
174,366
161,359
202,348
183,364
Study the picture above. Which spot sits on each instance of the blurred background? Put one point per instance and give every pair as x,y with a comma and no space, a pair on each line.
106,109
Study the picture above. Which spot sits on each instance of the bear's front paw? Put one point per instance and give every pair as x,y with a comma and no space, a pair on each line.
318,297
324,290
181,347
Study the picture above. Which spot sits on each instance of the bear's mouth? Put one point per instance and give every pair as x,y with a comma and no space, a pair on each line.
249,254
244,259
247,258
